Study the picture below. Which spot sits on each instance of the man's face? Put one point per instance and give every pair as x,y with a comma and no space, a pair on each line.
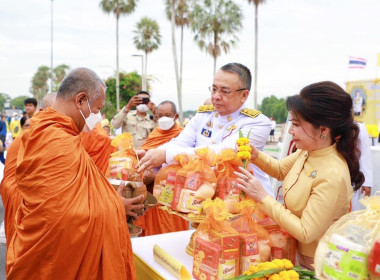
229,93
30,108
165,110
95,106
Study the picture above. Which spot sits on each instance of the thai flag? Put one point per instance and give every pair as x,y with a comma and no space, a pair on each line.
357,62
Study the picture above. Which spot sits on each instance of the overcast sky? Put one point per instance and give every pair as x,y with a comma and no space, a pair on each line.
300,42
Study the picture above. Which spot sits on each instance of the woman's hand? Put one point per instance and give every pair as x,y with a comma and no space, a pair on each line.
254,153
250,185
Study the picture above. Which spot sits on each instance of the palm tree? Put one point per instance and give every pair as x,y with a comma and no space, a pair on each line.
180,17
59,74
256,3
215,23
147,38
118,8
40,86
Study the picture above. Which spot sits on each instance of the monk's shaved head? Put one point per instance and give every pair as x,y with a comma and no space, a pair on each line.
174,108
48,100
81,80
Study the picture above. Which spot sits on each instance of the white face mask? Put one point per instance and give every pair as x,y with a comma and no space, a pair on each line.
93,119
142,108
165,123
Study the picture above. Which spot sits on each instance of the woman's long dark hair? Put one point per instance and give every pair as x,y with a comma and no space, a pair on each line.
327,104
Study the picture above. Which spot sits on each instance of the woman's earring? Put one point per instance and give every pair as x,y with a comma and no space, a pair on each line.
322,136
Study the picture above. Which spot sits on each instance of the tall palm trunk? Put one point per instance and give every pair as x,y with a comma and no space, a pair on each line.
177,77
181,60
256,51
214,53
146,65
117,62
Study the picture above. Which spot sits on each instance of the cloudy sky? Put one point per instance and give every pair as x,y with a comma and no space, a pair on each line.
300,42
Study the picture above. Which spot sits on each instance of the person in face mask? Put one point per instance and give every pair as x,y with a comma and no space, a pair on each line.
152,222
55,174
137,122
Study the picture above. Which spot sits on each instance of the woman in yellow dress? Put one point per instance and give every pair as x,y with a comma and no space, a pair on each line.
319,178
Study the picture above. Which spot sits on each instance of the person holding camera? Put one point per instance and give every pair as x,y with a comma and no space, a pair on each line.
137,122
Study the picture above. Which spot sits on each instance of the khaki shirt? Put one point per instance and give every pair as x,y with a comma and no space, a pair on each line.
139,127
317,192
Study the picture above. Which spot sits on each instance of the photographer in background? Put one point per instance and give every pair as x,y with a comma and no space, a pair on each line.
137,122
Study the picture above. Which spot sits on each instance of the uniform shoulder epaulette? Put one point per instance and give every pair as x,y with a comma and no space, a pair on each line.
250,112
206,108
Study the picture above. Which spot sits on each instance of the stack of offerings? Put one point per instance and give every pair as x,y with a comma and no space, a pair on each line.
216,245
254,239
351,246
282,244
186,185
122,163
122,171
226,186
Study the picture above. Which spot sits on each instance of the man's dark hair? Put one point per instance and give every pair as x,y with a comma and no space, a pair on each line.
242,71
174,108
23,120
31,101
143,92
78,80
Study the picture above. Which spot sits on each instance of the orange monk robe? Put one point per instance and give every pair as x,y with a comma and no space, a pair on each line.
8,190
159,137
71,222
155,220
98,145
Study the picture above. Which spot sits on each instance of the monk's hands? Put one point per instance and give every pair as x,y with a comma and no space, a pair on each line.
250,185
151,159
130,203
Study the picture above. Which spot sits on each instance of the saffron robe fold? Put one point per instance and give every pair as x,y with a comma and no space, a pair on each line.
98,145
71,222
159,137
155,220
8,190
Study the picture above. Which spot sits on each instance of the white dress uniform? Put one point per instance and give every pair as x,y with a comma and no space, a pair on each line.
208,129
366,166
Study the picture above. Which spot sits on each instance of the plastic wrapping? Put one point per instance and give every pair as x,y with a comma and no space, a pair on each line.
343,251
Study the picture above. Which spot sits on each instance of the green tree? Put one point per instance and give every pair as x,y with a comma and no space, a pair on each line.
272,106
147,38
180,17
59,73
4,98
215,23
130,85
256,3
118,8
18,101
40,86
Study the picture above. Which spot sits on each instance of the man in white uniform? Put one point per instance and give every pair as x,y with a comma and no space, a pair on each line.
217,126
365,162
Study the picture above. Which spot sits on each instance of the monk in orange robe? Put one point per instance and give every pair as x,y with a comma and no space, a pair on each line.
8,190
98,145
71,222
157,221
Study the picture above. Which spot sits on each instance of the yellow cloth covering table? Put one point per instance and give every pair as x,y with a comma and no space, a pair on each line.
174,243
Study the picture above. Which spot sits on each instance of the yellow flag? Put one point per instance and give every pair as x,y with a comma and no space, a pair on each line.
378,60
